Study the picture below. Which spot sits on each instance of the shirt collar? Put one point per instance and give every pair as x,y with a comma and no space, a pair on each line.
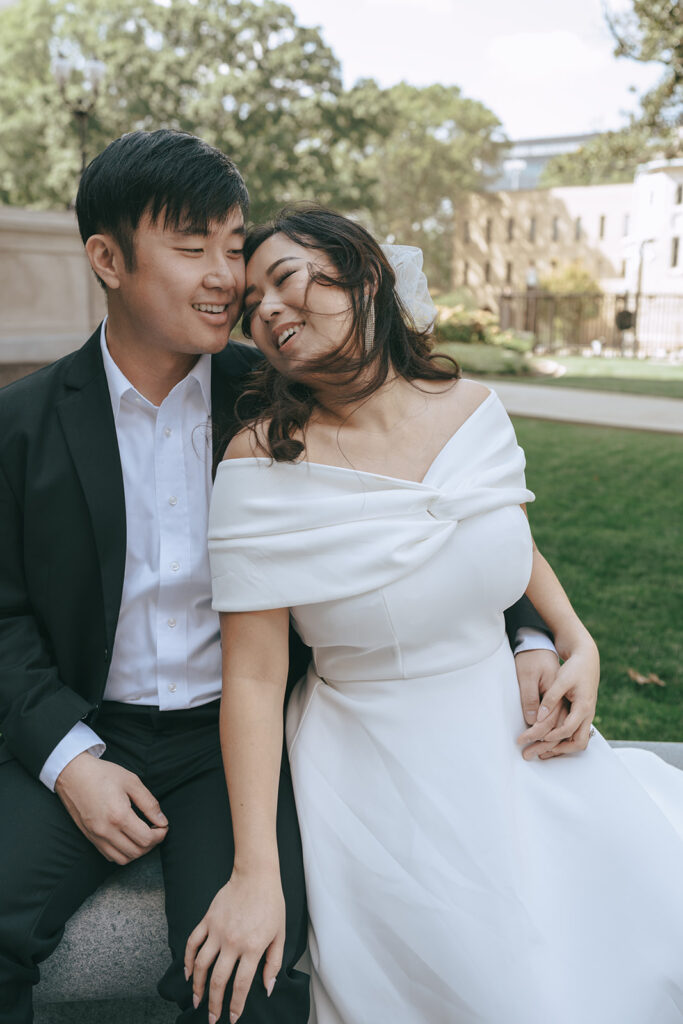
119,385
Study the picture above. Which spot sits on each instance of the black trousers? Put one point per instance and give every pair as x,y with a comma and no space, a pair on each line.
48,868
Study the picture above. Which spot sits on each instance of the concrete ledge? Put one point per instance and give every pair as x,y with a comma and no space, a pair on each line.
115,950
116,945
671,752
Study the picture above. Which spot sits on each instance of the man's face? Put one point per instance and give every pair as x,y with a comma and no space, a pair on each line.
185,293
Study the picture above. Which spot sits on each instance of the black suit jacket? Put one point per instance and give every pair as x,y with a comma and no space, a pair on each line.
63,548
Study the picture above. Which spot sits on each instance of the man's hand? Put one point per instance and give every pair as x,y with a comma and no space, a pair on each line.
101,797
558,703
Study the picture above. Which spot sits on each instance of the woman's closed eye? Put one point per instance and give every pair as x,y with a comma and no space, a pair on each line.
283,277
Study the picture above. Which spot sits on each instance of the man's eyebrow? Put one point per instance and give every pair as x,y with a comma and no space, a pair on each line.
269,271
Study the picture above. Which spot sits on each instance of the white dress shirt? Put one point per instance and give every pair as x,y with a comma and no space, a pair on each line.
167,651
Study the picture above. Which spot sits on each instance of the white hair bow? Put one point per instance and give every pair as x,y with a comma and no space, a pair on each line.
411,284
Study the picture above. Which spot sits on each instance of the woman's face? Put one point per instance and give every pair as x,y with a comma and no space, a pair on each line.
293,319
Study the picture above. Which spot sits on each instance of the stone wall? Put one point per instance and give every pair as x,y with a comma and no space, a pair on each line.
50,301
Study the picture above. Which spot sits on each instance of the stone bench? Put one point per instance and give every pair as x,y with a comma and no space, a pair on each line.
114,948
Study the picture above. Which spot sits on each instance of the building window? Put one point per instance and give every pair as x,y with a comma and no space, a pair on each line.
577,229
508,272
556,229
489,229
487,272
511,228
532,229
627,221
679,195
465,273
601,231
467,231
675,247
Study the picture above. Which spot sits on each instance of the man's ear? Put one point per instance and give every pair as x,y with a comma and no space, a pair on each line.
106,259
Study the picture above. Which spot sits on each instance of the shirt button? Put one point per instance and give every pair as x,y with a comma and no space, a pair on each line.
172,687
174,566
171,623
167,431
173,500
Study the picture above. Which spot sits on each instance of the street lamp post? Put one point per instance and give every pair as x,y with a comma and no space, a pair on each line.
639,286
82,106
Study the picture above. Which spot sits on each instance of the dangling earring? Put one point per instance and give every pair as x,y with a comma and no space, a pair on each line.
370,328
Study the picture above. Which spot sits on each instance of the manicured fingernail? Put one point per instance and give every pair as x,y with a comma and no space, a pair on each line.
271,986
195,1000
543,713
212,1018
531,717
234,1017
186,973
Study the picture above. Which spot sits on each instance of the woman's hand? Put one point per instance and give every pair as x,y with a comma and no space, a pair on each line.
565,715
245,920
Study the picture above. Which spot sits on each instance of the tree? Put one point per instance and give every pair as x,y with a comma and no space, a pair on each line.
652,30
244,76
436,147
609,159
576,301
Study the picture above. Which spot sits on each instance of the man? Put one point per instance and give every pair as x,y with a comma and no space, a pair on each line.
109,651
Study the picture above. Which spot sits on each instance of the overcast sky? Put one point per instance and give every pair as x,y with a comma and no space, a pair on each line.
545,67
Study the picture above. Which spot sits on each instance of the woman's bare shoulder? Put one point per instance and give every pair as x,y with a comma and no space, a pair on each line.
462,393
471,392
250,442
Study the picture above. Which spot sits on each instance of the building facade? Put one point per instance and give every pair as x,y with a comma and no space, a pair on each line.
628,237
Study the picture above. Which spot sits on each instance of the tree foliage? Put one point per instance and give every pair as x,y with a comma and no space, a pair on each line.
570,279
436,147
244,76
652,30
605,160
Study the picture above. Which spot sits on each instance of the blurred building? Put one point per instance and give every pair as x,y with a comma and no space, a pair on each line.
526,159
621,234
628,237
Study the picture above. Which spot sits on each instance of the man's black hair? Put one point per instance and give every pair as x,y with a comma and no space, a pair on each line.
164,173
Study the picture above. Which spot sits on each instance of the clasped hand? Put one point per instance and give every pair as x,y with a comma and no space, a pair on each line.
558,702
245,920
102,798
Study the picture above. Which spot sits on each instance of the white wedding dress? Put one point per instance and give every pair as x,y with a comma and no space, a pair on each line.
449,881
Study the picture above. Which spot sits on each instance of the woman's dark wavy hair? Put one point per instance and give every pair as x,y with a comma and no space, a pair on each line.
363,271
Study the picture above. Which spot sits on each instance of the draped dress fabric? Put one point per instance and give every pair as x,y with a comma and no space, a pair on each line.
449,881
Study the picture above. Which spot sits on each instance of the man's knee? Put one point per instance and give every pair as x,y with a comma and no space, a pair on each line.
47,868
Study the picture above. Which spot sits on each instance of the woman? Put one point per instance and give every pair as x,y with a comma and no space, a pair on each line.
378,503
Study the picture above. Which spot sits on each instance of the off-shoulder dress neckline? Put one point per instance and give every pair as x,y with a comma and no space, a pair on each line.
325,466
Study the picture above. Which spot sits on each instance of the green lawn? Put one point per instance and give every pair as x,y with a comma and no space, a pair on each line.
608,517
482,359
631,376
634,376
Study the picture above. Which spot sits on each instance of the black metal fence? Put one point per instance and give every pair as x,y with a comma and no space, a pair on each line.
639,325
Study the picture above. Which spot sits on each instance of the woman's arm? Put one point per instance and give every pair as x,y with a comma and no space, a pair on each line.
247,916
578,678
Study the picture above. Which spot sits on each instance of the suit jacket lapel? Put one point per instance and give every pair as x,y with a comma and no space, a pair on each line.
225,387
88,423
229,373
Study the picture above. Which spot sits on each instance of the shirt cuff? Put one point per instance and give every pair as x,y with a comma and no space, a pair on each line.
78,739
528,639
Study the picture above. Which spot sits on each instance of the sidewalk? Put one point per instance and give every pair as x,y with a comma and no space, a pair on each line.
599,408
